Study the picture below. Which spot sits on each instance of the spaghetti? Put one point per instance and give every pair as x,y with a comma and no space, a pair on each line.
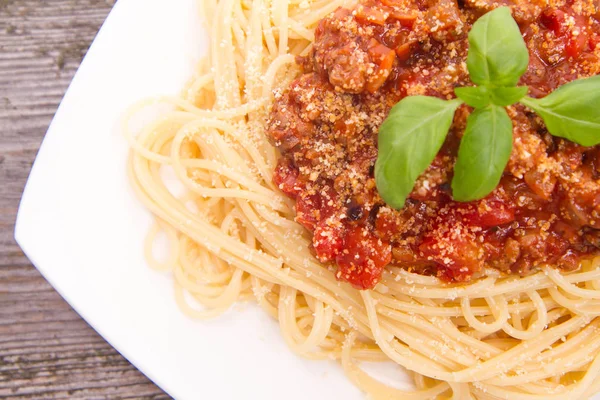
233,238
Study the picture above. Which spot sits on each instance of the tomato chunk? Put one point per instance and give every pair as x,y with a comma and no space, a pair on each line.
286,178
363,258
328,241
455,251
312,208
553,19
307,210
383,57
579,37
490,213
371,15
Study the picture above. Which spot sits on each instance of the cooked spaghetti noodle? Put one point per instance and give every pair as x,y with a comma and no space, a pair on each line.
233,238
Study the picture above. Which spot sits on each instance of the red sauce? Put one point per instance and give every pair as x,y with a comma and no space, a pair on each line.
547,206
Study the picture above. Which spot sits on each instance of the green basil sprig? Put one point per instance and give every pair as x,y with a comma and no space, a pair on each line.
497,53
413,135
415,130
572,111
484,151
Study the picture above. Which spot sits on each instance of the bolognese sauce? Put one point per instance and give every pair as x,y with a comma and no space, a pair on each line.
546,209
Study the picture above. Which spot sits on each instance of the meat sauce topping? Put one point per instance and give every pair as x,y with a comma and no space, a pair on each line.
546,208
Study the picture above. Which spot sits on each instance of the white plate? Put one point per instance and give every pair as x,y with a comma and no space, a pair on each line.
81,226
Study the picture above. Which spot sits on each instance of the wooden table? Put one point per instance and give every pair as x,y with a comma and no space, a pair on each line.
46,349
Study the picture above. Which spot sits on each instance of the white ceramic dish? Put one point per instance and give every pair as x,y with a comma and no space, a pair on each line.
81,226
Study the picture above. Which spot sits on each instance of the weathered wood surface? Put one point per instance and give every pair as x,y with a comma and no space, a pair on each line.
46,349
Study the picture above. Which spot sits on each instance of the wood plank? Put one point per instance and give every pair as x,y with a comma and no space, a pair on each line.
46,349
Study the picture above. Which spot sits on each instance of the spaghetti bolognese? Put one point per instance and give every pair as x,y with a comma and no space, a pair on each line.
512,325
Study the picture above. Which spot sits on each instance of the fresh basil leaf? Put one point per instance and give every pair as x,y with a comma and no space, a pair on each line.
408,141
483,153
572,111
497,55
507,96
475,96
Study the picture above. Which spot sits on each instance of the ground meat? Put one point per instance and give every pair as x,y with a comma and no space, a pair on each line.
364,60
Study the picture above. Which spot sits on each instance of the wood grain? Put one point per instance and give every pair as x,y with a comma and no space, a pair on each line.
46,349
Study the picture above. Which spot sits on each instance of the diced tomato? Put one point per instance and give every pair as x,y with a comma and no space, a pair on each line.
498,215
403,51
491,213
485,213
577,44
383,57
286,178
578,41
539,184
569,39
386,224
406,19
307,210
371,15
553,19
363,258
312,208
328,241
458,255
328,202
